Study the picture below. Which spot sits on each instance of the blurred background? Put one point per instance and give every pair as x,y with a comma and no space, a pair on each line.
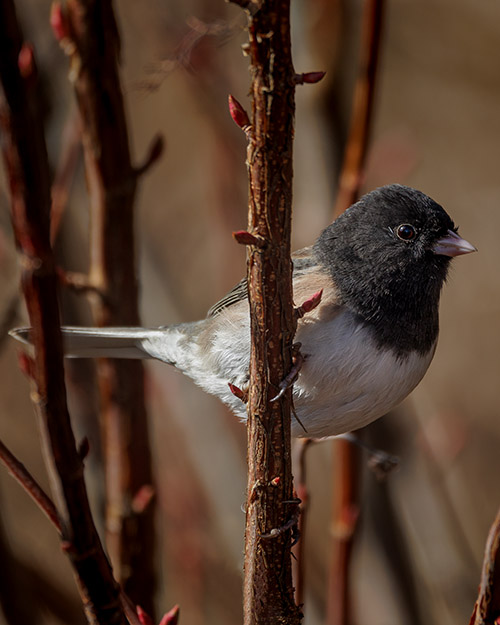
420,542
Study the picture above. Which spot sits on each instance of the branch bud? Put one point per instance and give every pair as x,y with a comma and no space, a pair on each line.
309,304
237,392
309,78
26,60
171,617
59,22
238,113
247,238
143,617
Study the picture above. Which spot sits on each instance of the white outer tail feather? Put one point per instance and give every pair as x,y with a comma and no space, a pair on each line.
97,342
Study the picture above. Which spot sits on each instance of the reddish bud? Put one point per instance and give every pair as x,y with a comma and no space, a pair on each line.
275,481
238,113
247,238
309,304
26,60
312,302
309,78
143,617
171,617
237,392
26,364
59,22
142,498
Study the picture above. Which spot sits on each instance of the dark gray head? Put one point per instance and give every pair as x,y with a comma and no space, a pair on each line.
389,255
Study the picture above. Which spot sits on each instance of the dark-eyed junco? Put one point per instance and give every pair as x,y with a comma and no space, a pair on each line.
381,266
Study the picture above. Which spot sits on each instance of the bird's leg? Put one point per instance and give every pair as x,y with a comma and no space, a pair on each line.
292,523
297,362
379,461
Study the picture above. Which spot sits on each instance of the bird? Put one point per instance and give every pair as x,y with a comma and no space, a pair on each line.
380,265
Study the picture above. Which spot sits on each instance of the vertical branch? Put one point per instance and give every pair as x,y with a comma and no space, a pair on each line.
25,156
362,108
346,464
95,46
268,592
487,607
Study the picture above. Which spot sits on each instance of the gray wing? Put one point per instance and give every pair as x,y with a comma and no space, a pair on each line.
236,294
303,261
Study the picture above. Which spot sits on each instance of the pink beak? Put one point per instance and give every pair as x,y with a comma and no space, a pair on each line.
452,245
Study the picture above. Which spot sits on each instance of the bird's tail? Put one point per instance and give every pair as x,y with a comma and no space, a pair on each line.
97,342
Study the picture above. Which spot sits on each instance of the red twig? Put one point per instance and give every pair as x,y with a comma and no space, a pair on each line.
346,469
30,485
351,175
71,146
487,607
94,48
25,156
303,495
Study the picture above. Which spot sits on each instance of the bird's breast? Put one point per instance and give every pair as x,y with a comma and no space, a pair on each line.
347,380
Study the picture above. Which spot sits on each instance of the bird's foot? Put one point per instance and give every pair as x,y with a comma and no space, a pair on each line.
288,381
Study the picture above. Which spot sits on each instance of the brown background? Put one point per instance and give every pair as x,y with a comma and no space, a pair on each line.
437,128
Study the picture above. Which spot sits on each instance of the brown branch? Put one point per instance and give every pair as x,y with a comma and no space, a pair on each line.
487,607
30,485
362,109
268,591
91,28
71,145
25,156
303,495
346,471
346,466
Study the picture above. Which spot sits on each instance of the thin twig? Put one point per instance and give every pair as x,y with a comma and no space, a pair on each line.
25,155
351,176
487,607
71,145
30,485
346,465
112,183
303,494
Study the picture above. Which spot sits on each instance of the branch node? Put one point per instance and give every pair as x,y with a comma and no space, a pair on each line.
309,78
154,153
83,448
79,282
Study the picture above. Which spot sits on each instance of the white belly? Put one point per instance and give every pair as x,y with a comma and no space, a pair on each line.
347,381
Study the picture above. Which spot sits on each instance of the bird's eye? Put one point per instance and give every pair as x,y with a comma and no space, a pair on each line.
406,232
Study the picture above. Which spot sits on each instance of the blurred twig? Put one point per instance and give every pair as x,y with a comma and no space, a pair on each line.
351,175
25,156
88,33
71,144
487,607
346,472
268,592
